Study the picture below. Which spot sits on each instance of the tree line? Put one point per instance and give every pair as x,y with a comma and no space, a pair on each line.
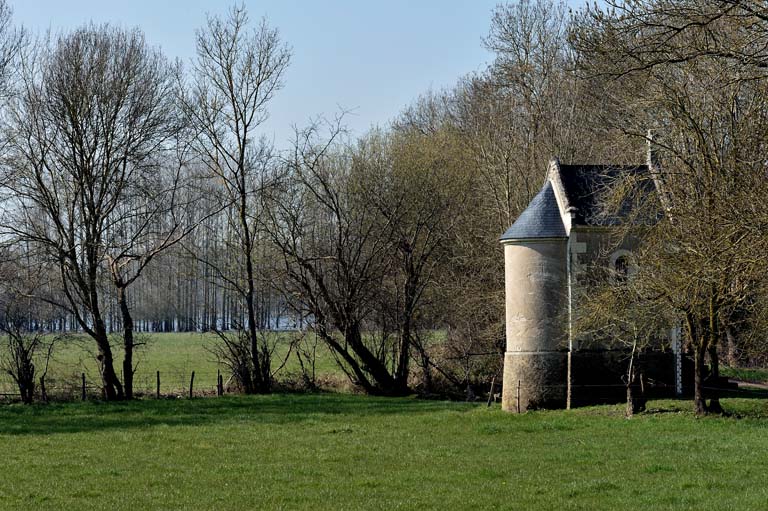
140,194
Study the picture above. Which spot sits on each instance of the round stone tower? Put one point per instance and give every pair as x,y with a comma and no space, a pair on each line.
536,284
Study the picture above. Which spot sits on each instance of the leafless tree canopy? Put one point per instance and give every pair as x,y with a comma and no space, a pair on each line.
237,72
89,127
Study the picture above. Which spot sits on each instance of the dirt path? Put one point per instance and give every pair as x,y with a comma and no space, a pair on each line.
749,384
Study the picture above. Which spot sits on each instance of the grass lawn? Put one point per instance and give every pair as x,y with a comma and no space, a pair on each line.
333,451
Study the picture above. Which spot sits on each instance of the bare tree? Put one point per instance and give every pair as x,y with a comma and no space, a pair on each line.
12,41
504,125
26,344
334,250
417,182
237,72
93,109
151,218
694,72
613,311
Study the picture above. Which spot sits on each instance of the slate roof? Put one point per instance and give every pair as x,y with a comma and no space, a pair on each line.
583,185
541,219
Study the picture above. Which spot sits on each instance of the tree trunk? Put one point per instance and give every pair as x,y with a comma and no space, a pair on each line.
712,343
635,403
732,354
714,375
360,377
401,375
384,382
113,390
427,370
642,400
26,383
261,369
128,343
699,404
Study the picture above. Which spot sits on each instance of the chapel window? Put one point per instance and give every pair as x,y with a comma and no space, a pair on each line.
621,268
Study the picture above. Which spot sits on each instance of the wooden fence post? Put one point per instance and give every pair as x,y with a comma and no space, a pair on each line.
490,392
191,383
157,393
219,385
83,387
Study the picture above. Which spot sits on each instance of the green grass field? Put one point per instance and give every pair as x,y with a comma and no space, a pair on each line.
343,451
335,451
175,355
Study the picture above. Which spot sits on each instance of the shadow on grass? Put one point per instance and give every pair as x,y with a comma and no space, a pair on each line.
271,409
746,392
741,404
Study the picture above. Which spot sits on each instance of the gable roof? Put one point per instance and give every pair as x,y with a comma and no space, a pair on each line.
583,185
541,219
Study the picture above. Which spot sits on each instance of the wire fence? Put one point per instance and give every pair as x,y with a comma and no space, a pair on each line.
164,384
180,383
536,395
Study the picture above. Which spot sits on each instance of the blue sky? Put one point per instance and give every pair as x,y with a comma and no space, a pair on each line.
373,58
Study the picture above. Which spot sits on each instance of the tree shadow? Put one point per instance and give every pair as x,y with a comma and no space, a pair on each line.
744,392
275,409
739,403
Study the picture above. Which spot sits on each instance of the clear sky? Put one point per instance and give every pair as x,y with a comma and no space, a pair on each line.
373,58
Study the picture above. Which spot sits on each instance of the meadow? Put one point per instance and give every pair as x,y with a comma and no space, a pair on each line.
175,355
350,452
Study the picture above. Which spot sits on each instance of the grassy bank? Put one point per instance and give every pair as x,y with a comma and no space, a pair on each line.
354,452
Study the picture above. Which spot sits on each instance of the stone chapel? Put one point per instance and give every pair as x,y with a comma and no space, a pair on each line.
546,252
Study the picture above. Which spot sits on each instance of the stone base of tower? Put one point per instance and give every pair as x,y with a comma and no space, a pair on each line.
534,380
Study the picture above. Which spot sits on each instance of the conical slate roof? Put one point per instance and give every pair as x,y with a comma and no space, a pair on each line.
541,219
